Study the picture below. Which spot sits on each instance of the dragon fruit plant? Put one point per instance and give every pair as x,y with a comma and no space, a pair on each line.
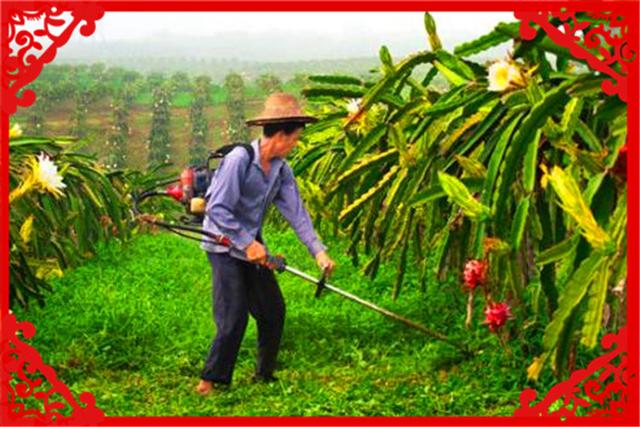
438,153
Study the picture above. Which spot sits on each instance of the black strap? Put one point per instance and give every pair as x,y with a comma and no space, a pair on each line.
223,151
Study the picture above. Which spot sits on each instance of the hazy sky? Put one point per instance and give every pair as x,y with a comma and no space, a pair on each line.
127,25
300,35
282,36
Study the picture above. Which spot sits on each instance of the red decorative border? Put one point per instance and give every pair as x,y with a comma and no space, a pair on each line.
605,387
604,44
24,375
21,378
23,63
621,66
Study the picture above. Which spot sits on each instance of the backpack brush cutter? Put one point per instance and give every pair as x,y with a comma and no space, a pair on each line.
190,191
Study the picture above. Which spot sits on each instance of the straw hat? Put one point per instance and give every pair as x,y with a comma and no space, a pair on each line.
281,107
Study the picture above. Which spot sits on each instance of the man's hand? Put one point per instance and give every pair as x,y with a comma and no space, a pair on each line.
325,263
256,253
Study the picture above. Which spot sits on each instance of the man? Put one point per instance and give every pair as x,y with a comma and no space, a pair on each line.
241,190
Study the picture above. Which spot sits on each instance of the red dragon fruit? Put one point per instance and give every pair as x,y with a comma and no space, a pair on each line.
475,274
496,315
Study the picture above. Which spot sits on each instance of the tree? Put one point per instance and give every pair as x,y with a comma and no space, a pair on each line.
90,84
199,124
180,82
236,127
159,143
269,83
36,122
79,116
127,84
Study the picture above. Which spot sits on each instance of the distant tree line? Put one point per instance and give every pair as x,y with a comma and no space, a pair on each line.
84,86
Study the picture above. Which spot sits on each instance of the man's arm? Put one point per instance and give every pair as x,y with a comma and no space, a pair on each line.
290,205
223,195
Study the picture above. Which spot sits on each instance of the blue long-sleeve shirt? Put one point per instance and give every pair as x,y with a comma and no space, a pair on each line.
239,195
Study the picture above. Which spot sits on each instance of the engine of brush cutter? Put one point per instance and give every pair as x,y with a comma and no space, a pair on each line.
191,189
194,182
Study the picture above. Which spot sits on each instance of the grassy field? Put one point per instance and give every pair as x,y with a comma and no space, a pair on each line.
134,325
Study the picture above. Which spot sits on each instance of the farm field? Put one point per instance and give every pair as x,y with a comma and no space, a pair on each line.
134,328
99,123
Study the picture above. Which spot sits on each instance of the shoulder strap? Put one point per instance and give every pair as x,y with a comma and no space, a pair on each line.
224,150
249,149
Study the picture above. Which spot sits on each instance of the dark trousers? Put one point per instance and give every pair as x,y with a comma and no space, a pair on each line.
240,288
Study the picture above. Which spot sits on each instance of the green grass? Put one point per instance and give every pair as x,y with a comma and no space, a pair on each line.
134,325
144,98
218,94
182,100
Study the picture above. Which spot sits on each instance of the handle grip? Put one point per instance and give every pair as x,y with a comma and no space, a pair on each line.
276,262
273,262
320,286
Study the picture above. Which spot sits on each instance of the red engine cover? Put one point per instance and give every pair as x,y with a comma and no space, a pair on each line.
175,191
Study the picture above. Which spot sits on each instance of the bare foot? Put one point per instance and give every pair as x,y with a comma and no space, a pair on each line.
204,387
